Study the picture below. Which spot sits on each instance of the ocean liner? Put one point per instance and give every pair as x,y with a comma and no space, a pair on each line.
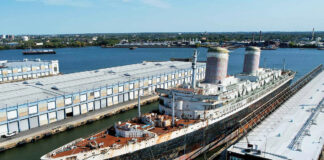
189,116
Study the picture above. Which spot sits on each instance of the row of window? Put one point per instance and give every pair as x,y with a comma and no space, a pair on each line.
80,98
23,69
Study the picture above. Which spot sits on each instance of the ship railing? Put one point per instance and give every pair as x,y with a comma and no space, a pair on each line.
259,92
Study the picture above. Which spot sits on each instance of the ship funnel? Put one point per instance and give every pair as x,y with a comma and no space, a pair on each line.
251,60
217,62
194,66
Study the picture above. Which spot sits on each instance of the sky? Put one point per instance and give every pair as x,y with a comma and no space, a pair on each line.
125,16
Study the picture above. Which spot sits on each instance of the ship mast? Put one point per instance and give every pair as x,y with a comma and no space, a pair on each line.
194,66
172,109
139,104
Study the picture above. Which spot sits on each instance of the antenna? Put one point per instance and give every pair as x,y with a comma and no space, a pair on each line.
139,104
172,109
194,66
260,38
313,34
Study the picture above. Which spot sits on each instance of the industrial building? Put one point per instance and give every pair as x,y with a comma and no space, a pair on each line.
37,102
293,131
27,69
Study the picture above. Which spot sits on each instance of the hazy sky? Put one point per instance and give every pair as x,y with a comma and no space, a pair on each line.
111,16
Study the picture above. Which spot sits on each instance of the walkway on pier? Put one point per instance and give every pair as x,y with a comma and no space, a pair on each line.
293,131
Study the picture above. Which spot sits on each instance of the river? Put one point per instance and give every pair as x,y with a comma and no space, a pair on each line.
91,58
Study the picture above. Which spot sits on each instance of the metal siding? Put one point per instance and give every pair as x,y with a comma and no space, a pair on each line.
115,99
131,95
76,110
60,115
126,87
23,125
120,98
42,106
3,129
13,126
126,97
3,116
97,105
23,111
52,117
43,120
12,114
76,99
51,105
90,106
103,92
84,108
103,103
109,100
33,122
60,102
68,110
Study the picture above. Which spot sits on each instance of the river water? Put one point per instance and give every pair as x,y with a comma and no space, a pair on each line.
91,58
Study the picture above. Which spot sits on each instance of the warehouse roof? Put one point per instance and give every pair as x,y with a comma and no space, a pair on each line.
26,62
38,89
293,131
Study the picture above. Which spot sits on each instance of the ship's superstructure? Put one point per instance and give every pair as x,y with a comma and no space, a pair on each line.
189,116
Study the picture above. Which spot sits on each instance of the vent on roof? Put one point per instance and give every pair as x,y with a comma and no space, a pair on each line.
127,74
39,83
173,66
25,82
112,72
54,88
96,71
158,64
25,60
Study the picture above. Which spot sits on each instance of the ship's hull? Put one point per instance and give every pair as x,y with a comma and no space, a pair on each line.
183,145
38,52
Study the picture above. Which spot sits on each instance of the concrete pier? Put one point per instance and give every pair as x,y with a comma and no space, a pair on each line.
60,126
293,131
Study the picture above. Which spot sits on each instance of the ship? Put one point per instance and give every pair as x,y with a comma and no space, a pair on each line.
132,48
39,51
320,47
270,47
190,115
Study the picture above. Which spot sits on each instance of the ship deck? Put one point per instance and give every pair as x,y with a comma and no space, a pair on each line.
108,140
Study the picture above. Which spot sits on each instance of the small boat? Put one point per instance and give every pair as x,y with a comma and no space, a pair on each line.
39,51
132,48
320,48
270,47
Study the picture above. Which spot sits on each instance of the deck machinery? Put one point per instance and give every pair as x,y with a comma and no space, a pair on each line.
189,116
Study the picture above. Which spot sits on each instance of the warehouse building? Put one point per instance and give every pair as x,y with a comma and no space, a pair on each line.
27,69
37,102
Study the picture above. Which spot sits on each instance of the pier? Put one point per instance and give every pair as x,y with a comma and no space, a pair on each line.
252,120
69,123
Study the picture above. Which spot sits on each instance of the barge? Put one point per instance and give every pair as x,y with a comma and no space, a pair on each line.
189,116
38,51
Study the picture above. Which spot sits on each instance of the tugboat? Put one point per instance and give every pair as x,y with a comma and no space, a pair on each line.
320,47
270,47
39,51
132,48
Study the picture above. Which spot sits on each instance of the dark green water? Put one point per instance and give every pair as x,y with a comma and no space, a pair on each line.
33,151
91,58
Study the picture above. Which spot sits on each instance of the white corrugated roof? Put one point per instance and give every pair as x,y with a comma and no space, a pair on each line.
277,132
19,93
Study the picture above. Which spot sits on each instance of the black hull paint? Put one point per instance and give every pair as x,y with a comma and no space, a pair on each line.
188,143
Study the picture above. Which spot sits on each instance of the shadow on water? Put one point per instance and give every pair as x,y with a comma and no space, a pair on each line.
33,151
